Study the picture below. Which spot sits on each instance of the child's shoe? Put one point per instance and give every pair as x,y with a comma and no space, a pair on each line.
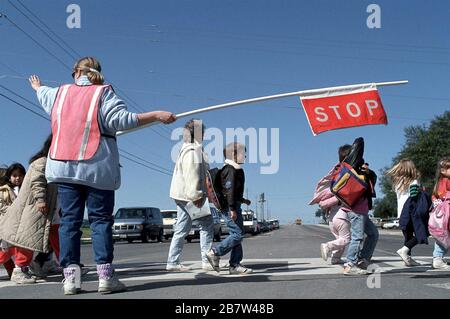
240,270
214,260
440,264
352,270
21,275
324,251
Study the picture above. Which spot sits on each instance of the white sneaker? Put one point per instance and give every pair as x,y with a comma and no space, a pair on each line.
213,260
70,287
403,253
70,281
110,285
352,270
21,275
178,267
324,251
240,270
439,263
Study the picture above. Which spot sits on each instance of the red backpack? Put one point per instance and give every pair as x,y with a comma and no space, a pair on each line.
348,185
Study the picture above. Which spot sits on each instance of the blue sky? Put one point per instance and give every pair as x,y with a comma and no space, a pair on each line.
182,55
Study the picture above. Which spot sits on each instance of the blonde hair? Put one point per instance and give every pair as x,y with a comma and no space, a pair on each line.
231,150
444,163
403,174
90,67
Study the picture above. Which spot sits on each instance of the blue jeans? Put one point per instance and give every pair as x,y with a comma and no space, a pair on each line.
181,230
439,250
73,198
233,242
360,224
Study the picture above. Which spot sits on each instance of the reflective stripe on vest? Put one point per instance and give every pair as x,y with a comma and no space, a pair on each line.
75,127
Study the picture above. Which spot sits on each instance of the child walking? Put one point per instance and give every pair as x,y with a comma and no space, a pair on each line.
338,220
358,258
232,180
19,269
440,193
405,182
189,185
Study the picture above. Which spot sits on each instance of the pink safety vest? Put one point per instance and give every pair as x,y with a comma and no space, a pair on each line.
75,128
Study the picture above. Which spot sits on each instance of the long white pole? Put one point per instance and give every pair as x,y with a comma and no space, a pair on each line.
265,98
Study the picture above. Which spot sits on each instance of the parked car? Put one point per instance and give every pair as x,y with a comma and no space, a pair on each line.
250,222
392,225
138,223
264,226
274,224
169,218
376,221
194,233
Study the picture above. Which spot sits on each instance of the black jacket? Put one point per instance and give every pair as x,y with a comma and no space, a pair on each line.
416,210
232,181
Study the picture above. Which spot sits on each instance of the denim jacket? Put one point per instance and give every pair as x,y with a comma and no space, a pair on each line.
102,171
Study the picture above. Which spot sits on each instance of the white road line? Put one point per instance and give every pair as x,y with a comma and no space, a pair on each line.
274,267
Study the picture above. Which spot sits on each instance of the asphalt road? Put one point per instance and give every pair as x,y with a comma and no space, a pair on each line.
286,264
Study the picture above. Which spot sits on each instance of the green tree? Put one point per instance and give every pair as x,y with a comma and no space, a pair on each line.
424,145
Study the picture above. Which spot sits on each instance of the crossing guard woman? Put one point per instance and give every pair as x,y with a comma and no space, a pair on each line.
84,162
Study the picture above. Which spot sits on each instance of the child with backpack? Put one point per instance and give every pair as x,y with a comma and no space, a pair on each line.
412,208
338,221
358,210
441,193
231,192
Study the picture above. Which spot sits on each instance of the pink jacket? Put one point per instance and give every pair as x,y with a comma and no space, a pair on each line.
323,195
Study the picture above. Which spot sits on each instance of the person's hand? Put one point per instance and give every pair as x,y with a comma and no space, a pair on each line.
166,117
42,207
247,202
35,82
233,215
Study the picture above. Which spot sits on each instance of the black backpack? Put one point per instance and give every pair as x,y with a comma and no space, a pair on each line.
215,189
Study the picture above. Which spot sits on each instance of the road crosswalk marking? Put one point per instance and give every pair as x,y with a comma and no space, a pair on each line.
271,268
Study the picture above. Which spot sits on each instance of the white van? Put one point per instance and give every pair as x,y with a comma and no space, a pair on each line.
250,222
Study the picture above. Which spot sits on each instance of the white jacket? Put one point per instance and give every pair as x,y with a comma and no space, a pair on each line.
189,175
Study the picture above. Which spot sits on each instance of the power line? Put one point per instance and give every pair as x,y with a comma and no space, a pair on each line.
12,92
42,30
23,106
54,33
35,41
140,158
153,169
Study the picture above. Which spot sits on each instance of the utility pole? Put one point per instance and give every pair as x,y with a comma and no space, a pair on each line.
262,201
